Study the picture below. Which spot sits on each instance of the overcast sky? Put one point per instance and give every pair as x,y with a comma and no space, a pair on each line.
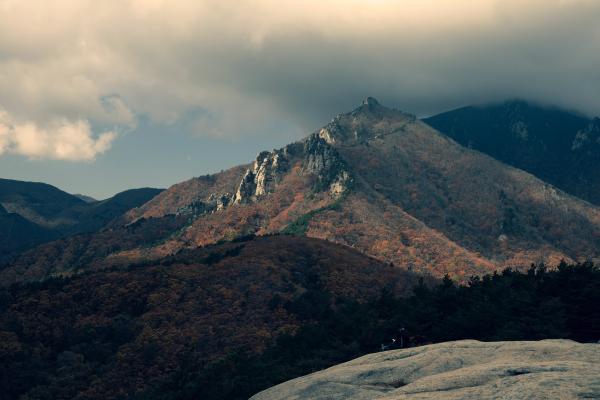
103,95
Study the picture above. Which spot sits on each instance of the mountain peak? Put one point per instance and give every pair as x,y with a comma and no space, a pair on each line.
370,101
373,106
372,109
369,120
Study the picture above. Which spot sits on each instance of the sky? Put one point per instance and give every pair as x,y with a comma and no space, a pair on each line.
101,96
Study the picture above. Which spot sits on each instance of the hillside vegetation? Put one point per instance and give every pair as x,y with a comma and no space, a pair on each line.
127,333
230,320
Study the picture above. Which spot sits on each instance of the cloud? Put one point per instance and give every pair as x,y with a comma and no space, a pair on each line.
256,64
61,140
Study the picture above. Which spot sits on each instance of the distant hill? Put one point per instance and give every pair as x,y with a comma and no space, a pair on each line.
37,212
40,203
99,213
557,146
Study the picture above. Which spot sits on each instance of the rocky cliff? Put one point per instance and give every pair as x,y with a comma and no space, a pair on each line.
469,369
316,157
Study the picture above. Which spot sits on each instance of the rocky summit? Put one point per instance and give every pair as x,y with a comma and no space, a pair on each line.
468,369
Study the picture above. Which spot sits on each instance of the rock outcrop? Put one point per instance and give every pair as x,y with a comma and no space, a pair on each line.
214,202
588,139
323,161
317,156
469,369
263,176
369,121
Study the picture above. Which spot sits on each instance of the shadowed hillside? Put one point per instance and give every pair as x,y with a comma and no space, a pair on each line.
557,146
18,233
230,320
40,203
133,330
38,213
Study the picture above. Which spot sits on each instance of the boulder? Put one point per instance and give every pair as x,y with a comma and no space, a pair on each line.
468,369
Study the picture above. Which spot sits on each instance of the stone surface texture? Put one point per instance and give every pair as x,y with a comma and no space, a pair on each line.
468,369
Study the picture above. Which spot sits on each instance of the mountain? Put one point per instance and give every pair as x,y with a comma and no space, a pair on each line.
34,213
109,333
467,369
393,187
375,179
557,146
99,213
39,203
311,255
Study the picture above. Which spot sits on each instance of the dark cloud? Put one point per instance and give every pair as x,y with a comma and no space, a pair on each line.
254,65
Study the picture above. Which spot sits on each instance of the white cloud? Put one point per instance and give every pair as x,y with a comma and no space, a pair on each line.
61,140
248,63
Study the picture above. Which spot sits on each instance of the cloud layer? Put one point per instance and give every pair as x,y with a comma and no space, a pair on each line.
233,68
59,140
